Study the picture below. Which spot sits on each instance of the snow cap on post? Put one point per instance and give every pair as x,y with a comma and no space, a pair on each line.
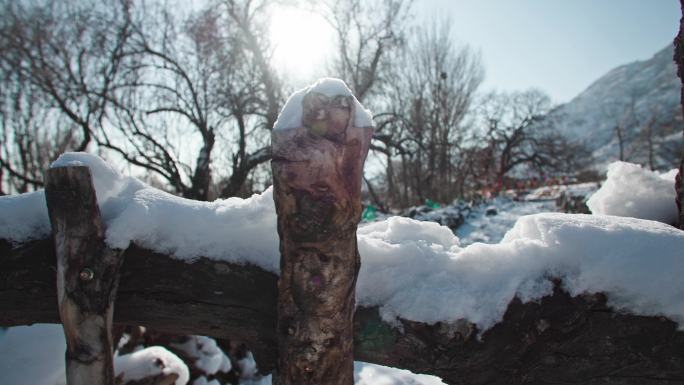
291,116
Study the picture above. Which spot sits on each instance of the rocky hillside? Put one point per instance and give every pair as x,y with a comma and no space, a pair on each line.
640,100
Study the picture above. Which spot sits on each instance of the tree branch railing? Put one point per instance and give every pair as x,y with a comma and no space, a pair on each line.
558,339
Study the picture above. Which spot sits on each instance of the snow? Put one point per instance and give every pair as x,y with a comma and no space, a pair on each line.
480,227
637,263
209,358
248,366
412,269
150,362
203,381
632,191
235,230
24,217
35,355
291,114
371,374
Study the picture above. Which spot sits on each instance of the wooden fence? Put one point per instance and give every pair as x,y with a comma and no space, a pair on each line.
560,339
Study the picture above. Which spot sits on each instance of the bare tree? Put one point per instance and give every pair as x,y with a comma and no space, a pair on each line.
71,51
428,103
624,127
29,140
159,88
367,34
210,77
519,135
647,135
58,61
259,97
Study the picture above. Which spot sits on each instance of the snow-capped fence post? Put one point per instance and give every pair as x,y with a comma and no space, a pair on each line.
87,275
317,171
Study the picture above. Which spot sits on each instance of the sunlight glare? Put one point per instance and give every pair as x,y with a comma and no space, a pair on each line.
302,40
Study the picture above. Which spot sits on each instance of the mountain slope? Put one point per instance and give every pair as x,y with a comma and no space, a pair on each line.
631,97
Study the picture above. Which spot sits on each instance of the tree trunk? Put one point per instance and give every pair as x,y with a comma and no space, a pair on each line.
621,143
679,59
201,180
87,275
241,169
374,197
317,173
392,200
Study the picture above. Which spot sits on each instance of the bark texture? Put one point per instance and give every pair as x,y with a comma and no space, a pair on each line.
679,59
87,275
317,171
559,339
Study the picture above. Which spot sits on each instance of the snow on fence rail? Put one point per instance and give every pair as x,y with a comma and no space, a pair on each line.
557,287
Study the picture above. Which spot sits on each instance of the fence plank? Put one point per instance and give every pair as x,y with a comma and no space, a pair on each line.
87,275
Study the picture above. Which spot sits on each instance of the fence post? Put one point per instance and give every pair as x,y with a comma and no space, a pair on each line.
87,275
317,171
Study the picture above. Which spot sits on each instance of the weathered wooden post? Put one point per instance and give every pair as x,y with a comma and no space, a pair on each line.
317,169
87,275
679,60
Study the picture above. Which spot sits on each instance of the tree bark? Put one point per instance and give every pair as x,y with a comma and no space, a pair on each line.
679,59
87,275
201,180
317,172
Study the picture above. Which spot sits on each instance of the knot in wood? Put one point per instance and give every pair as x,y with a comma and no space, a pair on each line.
87,274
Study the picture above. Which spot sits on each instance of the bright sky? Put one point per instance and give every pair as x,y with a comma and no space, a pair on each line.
559,46
302,40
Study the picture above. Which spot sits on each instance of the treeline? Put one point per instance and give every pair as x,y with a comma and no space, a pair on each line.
189,97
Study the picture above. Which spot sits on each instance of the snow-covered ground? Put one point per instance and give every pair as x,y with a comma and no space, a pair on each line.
35,355
489,223
370,374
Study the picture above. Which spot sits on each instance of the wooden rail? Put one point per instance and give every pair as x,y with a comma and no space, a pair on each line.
560,339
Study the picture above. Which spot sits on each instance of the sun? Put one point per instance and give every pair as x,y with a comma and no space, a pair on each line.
303,40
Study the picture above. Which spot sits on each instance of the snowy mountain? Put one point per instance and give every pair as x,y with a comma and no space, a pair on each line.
632,97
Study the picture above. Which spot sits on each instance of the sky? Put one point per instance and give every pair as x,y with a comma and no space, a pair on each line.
559,46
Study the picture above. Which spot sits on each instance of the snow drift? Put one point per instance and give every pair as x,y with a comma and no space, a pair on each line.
150,362
632,191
